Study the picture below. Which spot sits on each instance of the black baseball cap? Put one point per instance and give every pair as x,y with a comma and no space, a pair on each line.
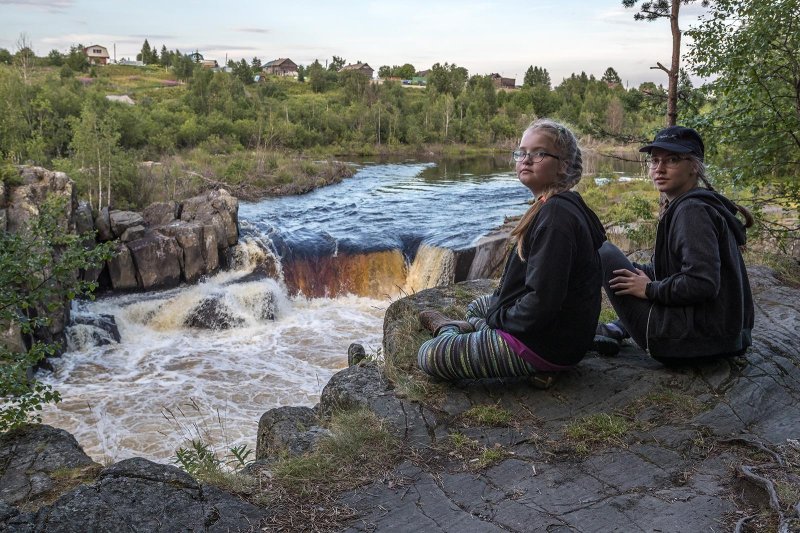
679,140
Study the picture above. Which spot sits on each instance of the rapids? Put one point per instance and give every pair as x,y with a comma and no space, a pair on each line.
345,252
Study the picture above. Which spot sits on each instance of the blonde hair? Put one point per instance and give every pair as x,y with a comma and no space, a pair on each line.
567,144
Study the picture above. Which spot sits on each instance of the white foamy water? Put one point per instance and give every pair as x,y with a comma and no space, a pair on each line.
165,382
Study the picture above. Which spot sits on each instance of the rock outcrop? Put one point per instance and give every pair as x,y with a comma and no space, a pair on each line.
169,242
697,447
139,495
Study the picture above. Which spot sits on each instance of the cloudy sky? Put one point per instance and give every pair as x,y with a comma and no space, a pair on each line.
505,36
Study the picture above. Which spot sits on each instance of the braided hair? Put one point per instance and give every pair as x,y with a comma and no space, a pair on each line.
567,144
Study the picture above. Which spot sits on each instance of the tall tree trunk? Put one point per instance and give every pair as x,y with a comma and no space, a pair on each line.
108,177
672,91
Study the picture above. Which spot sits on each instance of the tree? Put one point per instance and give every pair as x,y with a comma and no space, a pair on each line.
95,142
301,74
24,57
166,57
5,56
37,273
536,76
670,9
55,58
256,65
336,64
447,78
611,77
243,72
750,49
76,59
146,54
384,71
405,72
183,66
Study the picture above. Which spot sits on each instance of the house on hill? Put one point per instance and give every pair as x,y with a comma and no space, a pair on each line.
361,68
96,54
503,83
281,67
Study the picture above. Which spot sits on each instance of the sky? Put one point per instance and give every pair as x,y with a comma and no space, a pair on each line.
501,36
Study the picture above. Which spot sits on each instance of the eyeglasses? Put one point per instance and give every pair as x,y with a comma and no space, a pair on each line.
536,157
670,161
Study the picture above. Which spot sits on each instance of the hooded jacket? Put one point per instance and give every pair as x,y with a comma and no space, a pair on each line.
702,304
551,301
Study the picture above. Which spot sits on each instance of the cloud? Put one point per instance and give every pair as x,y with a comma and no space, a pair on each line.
252,30
150,37
56,6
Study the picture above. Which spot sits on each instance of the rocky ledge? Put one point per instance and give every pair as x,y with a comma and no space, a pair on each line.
617,444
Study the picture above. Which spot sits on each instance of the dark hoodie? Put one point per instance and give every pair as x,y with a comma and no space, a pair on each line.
701,297
551,301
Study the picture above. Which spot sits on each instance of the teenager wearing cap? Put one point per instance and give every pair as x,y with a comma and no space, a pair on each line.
693,301
543,315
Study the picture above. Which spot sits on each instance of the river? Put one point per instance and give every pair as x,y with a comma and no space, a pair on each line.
347,251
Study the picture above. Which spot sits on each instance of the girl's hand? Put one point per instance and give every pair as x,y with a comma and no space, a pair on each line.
627,282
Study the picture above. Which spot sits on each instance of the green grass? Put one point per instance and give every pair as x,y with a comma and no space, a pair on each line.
488,415
598,430
360,446
491,456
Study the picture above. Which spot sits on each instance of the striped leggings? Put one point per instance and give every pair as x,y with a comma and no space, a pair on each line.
481,354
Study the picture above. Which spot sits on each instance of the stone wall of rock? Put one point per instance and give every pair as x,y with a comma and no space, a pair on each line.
169,242
166,244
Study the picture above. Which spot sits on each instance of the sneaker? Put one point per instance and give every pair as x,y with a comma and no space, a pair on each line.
612,331
607,346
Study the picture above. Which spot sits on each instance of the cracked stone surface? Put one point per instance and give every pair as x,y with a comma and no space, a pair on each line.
672,471
139,495
30,455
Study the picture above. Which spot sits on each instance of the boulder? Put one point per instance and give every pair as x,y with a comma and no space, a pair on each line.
217,208
160,213
121,269
122,220
189,236
29,458
23,201
210,248
292,430
139,495
364,386
84,222
103,224
157,260
92,330
132,233
212,313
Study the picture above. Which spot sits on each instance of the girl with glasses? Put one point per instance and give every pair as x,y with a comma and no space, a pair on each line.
542,317
693,301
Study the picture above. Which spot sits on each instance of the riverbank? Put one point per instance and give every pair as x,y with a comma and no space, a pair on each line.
618,443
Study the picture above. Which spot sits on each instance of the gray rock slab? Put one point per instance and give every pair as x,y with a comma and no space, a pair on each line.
30,455
122,220
138,495
670,472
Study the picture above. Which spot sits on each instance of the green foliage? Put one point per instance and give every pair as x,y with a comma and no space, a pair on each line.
447,79
38,267
537,77
750,50
358,446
